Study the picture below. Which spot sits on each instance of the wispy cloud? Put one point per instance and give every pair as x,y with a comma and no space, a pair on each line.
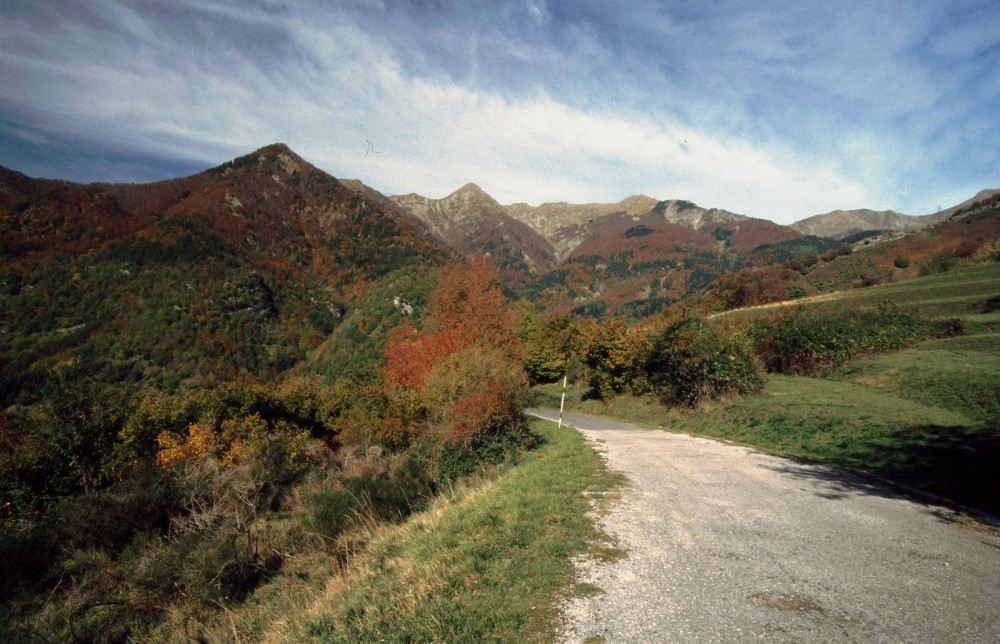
774,109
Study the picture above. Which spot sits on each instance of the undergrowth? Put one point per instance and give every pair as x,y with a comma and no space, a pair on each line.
485,561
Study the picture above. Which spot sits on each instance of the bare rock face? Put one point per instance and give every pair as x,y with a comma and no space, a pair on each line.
473,223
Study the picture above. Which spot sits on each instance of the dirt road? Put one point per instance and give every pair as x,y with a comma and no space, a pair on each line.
728,545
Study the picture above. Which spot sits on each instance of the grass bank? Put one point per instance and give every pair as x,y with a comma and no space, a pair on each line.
926,417
487,561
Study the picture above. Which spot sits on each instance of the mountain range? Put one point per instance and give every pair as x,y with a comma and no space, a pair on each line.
266,262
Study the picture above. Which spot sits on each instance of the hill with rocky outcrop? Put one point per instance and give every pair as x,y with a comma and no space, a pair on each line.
473,223
639,253
242,269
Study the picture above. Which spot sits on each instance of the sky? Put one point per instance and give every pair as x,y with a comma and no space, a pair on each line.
770,108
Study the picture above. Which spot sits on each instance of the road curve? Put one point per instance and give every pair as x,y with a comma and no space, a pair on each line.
730,545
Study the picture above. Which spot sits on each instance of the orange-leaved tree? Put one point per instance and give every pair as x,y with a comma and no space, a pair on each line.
465,366
467,308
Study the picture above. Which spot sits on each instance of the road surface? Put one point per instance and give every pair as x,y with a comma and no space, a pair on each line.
730,545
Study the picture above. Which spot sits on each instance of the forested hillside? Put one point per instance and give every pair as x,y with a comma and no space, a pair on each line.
219,385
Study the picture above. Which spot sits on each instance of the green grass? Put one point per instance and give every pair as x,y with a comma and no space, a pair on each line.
926,418
960,374
964,293
488,561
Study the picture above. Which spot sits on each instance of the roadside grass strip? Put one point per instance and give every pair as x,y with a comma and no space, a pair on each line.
487,562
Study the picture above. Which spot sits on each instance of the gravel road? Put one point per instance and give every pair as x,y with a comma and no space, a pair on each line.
729,545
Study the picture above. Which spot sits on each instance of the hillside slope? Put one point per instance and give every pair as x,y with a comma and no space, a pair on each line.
840,224
241,269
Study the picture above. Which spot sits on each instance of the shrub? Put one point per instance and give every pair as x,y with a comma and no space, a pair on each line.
476,393
391,494
988,252
796,291
940,263
693,361
615,355
965,249
901,262
332,511
810,342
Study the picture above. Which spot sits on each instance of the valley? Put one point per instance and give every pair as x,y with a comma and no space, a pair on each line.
261,389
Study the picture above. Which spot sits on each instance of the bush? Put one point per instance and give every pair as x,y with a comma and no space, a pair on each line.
616,357
796,291
391,495
693,361
332,511
815,342
901,262
988,252
940,263
475,394
966,249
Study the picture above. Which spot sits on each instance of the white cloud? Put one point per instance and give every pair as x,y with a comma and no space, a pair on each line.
777,112
539,149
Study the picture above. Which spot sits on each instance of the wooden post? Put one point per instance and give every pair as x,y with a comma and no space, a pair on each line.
562,403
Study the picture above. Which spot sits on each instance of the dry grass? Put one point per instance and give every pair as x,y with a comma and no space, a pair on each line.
487,559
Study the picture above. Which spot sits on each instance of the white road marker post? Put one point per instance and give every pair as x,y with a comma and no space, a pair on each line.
562,402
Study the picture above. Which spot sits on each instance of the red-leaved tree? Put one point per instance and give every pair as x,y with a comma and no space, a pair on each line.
465,366
467,308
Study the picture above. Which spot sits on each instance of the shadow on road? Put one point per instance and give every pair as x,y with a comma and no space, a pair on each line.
956,466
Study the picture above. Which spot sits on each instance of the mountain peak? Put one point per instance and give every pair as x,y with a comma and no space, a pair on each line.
470,189
473,196
274,149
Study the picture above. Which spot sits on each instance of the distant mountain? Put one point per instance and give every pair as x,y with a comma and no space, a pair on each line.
840,224
965,229
638,253
473,223
566,225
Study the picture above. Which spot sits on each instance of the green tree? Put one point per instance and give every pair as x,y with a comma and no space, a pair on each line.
82,420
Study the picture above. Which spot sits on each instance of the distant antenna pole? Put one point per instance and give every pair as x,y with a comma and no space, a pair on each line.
562,403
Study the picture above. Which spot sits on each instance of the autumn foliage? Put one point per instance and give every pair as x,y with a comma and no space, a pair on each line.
466,309
464,368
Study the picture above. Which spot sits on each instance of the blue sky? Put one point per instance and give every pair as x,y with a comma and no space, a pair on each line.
773,109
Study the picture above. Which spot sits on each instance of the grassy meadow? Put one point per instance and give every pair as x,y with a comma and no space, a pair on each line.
972,294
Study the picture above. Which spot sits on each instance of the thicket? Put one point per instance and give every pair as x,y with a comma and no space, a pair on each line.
693,361
685,359
810,341
123,508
